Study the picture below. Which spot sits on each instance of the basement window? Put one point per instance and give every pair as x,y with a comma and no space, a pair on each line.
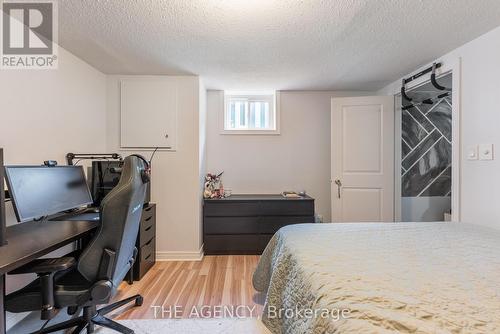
250,113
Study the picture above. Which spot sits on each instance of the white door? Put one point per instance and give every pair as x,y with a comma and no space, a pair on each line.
363,159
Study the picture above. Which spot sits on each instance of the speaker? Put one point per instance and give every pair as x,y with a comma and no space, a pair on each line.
3,236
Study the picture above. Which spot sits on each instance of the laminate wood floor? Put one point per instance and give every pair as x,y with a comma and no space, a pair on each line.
186,289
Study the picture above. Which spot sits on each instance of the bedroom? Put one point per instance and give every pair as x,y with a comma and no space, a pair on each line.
278,96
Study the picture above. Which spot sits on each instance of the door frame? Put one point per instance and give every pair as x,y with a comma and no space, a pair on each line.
453,67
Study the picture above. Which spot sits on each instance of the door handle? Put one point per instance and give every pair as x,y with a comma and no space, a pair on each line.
339,185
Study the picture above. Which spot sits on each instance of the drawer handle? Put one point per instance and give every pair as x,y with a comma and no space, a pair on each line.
148,243
147,257
148,209
148,219
148,229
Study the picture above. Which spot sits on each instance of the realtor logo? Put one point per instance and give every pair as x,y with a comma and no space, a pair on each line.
29,34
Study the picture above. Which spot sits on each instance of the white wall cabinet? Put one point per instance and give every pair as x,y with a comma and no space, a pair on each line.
149,113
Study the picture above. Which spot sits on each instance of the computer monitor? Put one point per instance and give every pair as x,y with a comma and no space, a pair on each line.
105,176
38,191
3,235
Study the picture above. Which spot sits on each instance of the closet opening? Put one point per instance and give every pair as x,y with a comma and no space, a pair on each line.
424,150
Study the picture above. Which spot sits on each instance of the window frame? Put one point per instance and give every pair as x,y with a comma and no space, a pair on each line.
264,96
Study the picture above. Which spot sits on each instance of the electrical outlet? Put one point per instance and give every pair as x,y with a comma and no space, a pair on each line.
471,152
486,152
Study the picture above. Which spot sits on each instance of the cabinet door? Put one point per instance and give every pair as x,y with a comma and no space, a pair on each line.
149,113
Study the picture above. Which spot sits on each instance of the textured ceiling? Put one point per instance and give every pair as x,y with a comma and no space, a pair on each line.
272,44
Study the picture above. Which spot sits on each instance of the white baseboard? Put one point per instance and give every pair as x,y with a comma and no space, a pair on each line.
180,255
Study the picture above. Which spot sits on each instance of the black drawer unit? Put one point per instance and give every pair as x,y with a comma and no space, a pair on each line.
146,242
244,224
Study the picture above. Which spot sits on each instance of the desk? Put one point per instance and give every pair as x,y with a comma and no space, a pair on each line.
31,240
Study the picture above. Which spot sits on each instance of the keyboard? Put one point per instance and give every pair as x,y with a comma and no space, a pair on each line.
88,214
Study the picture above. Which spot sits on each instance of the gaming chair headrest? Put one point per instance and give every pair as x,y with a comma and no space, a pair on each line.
146,172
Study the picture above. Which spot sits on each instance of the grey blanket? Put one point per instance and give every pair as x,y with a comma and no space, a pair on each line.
391,277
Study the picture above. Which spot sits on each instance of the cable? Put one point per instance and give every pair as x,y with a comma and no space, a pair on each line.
44,325
152,155
41,219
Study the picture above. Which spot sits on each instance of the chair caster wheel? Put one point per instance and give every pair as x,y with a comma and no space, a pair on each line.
139,301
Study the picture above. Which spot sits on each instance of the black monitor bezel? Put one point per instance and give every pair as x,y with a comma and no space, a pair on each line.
13,194
3,220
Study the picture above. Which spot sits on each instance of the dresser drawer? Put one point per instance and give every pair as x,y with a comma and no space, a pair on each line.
244,224
147,230
147,212
271,224
221,208
147,251
146,259
264,240
231,225
232,244
289,207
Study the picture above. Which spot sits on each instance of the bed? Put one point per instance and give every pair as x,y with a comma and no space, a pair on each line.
381,278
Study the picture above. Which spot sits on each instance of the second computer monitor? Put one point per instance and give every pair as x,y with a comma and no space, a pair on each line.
105,176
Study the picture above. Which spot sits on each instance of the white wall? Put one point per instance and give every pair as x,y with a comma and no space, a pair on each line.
175,184
480,119
425,208
297,159
202,159
46,113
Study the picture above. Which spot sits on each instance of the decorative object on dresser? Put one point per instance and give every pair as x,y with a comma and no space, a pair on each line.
213,186
244,224
146,242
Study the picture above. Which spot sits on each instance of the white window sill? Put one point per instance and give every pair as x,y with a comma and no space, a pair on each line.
251,132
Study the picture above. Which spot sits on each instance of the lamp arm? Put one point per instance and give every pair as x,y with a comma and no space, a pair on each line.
91,156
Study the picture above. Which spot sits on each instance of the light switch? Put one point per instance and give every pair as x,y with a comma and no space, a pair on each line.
486,152
471,152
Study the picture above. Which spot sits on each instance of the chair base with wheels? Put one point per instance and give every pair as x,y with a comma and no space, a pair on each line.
91,317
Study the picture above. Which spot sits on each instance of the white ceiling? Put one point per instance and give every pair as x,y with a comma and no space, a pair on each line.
272,44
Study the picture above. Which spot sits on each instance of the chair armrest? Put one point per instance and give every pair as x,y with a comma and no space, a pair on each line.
43,266
46,269
101,291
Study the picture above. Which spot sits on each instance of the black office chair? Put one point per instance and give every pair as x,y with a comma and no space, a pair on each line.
94,278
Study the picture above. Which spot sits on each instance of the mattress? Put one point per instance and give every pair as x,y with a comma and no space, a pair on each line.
381,278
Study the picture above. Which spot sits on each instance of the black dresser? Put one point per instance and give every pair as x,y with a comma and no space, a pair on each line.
146,242
244,224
